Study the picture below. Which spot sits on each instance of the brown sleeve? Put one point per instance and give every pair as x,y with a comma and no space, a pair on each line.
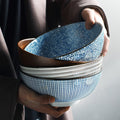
71,11
8,97
8,83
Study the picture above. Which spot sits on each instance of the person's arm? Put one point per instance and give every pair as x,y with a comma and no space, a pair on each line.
8,96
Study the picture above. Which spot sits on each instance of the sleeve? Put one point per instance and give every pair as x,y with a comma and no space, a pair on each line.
8,83
71,11
8,97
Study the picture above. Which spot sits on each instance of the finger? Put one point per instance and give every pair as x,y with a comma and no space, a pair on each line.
38,103
60,111
89,17
106,45
43,99
46,99
55,112
27,94
63,109
90,21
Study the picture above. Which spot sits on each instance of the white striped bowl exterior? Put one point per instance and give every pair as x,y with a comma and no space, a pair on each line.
82,70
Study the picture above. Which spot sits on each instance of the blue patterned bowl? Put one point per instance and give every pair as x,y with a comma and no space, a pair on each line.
66,92
71,42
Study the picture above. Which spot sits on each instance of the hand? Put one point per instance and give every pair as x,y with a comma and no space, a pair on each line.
39,103
91,16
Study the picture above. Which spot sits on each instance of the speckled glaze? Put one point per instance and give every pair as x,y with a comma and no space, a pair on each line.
88,53
63,90
71,42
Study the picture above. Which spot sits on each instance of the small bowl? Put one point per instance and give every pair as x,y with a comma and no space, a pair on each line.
72,42
66,92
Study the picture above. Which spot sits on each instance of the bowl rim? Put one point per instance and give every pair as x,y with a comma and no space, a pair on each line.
64,104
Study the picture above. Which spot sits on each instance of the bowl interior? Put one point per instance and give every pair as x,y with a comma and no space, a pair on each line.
64,40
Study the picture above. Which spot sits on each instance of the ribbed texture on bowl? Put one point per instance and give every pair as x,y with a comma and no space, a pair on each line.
62,90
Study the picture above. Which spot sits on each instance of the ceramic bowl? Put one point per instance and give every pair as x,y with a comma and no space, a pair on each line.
71,42
65,91
28,59
65,72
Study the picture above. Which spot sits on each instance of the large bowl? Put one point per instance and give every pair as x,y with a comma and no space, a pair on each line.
66,92
71,42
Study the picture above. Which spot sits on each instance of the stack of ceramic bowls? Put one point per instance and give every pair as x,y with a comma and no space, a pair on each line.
64,63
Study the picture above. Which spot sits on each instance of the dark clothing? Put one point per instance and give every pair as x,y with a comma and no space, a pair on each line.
8,83
26,19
